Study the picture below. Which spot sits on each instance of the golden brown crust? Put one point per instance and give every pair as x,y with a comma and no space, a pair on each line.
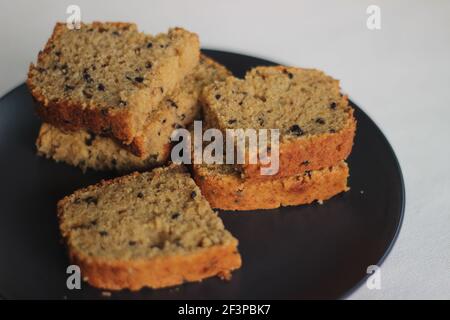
71,117
228,191
158,272
312,153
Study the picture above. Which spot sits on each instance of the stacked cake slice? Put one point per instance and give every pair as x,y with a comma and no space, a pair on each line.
89,150
111,96
316,128
109,77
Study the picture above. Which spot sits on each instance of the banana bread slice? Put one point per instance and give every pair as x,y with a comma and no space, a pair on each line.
87,150
108,77
153,229
225,189
315,121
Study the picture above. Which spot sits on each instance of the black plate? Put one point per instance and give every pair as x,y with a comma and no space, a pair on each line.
314,251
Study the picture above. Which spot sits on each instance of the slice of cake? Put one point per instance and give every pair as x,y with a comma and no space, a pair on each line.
225,189
315,122
87,150
108,77
153,229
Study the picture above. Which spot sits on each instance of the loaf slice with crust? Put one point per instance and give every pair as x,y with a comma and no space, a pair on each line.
153,229
225,189
108,77
87,150
315,122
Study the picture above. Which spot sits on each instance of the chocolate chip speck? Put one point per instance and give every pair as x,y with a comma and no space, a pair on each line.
103,233
64,69
296,130
172,104
139,79
218,96
101,87
289,74
175,215
149,45
333,105
87,94
140,195
87,76
320,121
231,121
132,243
193,194
91,200
88,141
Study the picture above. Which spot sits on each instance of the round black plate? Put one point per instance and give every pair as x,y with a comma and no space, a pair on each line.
314,251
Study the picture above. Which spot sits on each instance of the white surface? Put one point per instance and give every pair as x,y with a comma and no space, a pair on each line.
400,75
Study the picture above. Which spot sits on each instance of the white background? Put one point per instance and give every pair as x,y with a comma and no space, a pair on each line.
400,75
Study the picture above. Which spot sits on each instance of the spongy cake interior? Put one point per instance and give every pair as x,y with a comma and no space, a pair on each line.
101,63
141,216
